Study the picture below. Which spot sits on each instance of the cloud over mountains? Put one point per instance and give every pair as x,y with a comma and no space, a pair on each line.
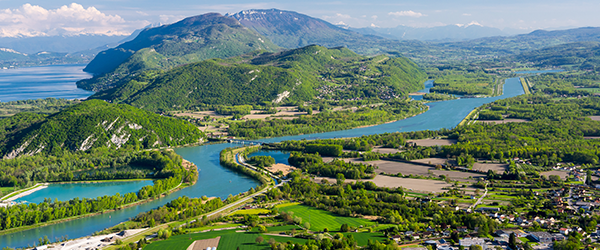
74,19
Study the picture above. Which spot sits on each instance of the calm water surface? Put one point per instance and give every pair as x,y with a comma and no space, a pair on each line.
42,82
215,180
65,192
279,156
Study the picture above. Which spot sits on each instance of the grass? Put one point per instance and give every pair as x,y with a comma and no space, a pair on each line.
524,239
252,211
229,240
193,230
591,90
363,238
320,219
525,86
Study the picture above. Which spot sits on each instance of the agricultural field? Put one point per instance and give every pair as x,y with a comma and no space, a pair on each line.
230,239
252,211
320,219
496,167
503,121
562,174
393,167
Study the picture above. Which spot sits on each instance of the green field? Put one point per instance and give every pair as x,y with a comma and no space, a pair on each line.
252,211
320,219
229,240
592,90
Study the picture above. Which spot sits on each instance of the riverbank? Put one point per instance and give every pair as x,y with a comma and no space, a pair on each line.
21,193
24,228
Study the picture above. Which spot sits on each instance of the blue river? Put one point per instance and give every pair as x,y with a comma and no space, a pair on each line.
215,180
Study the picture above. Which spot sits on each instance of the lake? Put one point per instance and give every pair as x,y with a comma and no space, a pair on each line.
42,82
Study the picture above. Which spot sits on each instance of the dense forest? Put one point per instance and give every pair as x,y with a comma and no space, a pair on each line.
92,124
256,78
39,106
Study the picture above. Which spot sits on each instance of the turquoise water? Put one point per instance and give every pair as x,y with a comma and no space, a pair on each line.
279,156
42,82
65,192
215,180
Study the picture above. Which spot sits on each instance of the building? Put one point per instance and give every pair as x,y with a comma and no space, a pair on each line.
467,242
541,237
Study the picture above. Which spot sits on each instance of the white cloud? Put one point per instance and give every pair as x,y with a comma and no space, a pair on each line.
33,20
466,14
408,13
374,17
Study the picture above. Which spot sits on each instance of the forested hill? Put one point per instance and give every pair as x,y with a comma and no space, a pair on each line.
92,124
190,40
290,76
581,55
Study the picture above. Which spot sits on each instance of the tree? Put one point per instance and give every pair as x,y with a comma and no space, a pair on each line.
340,178
307,225
344,228
475,247
512,241
262,229
259,239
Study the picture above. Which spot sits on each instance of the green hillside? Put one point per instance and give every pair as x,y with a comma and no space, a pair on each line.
190,40
296,75
580,55
92,124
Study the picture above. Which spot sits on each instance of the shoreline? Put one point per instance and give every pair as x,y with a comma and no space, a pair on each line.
48,223
18,194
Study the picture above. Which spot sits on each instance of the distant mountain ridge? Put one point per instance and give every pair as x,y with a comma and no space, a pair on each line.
291,30
528,42
446,33
190,40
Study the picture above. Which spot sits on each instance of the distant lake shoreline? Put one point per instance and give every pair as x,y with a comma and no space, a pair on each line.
39,82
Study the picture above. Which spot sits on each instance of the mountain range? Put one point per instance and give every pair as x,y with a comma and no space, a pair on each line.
190,40
447,33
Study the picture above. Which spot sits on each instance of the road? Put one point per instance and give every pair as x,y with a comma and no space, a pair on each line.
480,198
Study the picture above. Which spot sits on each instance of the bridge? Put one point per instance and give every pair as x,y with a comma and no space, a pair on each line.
245,142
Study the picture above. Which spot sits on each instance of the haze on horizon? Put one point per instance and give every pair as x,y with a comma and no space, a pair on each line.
121,17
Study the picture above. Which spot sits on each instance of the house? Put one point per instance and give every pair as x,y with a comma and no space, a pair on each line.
564,231
466,243
520,233
431,243
461,229
502,233
488,209
541,237
396,238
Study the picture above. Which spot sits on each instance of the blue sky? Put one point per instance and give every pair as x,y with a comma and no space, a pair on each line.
40,17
